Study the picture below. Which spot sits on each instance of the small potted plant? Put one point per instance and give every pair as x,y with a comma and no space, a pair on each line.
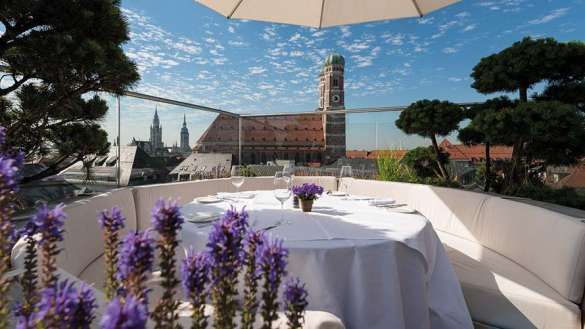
307,193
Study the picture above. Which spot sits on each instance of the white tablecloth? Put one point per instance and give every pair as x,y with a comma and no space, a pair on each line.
371,267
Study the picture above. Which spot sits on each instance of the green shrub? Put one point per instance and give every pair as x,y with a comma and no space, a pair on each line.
392,169
565,196
423,160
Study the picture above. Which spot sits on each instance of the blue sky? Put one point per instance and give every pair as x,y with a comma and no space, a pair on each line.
187,52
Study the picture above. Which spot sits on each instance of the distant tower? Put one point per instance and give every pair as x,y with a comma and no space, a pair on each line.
332,97
185,136
156,133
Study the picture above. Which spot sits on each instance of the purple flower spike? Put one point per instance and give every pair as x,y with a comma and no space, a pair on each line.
113,221
130,314
295,302
136,255
271,258
166,217
239,219
307,191
49,223
64,307
10,172
195,272
195,277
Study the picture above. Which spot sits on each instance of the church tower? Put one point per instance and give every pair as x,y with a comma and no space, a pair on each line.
156,134
332,97
185,136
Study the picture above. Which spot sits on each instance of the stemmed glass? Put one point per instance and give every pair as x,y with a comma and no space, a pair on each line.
236,178
282,194
288,176
346,175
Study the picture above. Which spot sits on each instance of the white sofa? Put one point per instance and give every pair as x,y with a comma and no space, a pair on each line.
82,248
520,266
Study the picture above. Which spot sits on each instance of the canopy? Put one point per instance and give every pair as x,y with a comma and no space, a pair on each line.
323,13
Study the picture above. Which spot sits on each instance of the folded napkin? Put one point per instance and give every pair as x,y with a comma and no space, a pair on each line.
202,217
381,202
241,195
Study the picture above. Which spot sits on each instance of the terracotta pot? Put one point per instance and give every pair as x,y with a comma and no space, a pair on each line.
307,205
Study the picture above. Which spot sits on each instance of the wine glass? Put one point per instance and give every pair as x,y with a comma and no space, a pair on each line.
282,194
287,175
346,175
236,178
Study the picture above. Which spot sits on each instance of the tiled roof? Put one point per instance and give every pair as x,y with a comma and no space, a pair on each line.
475,152
576,178
457,152
297,130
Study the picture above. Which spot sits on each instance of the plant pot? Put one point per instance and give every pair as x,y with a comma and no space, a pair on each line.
296,202
307,205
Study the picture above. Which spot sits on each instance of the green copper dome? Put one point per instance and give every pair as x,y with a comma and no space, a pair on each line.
334,58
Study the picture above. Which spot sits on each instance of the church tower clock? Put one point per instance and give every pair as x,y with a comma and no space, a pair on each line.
332,97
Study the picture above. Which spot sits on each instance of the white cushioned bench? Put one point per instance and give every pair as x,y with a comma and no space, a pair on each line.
82,248
520,266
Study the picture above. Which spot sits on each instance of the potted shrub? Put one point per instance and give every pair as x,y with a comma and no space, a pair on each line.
307,193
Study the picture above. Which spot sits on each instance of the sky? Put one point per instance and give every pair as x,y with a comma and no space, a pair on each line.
187,52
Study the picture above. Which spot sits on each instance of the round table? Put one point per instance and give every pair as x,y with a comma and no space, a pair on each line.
370,266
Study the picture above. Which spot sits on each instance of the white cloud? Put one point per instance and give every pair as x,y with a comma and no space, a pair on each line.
450,50
235,43
345,31
254,70
231,29
296,53
426,20
470,27
295,37
454,79
557,13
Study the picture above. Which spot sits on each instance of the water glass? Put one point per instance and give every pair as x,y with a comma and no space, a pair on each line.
236,178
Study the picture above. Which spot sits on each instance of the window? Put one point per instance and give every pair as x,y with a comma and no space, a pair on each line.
335,83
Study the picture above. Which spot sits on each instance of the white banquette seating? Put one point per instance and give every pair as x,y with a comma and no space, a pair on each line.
81,257
520,266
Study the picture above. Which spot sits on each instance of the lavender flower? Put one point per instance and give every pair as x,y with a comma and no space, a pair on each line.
271,258
167,221
225,250
166,217
49,223
135,262
307,191
111,223
195,277
295,302
10,165
128,313
253,241
28,280
63,306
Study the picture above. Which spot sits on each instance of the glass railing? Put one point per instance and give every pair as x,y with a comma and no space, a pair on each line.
154,141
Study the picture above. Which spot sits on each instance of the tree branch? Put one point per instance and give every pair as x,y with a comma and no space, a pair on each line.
16,85
53,169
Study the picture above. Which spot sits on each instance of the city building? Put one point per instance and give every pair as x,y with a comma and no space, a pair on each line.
203,165
185,137
304,138
136,168
155,146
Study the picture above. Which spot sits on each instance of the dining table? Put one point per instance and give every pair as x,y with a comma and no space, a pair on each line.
371,262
